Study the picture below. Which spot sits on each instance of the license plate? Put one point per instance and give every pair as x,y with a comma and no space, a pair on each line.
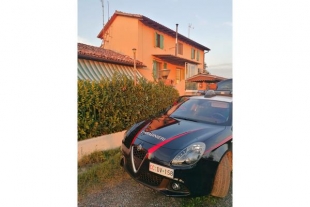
161,170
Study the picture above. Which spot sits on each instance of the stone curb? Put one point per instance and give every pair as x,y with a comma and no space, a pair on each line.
104,142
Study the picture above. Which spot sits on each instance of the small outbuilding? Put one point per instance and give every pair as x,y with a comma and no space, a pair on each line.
205,81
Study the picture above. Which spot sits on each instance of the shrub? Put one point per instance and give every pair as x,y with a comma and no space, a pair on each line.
110,106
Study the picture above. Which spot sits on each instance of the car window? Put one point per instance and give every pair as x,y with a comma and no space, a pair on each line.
225,85
203,110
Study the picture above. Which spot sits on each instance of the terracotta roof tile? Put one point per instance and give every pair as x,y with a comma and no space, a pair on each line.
127,14
153,24
205,78
105,55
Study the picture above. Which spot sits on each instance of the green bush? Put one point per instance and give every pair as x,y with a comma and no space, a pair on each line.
114,105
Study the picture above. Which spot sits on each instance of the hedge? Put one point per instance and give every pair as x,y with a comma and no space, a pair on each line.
110,106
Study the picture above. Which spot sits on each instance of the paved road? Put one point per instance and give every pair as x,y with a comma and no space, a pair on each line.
127,192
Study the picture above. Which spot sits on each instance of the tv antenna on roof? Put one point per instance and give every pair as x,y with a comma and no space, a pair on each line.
102,2
108,12
189,27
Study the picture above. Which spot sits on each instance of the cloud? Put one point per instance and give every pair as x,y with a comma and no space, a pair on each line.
223,65
226,73
223,70
83,40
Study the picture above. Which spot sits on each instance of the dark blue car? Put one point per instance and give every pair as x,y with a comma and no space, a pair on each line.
187,151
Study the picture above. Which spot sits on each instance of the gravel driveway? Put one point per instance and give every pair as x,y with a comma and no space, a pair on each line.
127,192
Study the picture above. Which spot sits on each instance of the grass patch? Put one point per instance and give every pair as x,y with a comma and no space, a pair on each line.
96,169
102,168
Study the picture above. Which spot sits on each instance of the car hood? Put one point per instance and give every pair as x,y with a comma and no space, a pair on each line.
172,133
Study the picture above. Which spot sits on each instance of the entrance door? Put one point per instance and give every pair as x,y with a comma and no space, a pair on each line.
191,70
179,75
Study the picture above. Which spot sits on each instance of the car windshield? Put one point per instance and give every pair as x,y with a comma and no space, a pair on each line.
203,110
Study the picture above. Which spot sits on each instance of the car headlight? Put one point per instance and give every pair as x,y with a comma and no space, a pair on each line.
190,155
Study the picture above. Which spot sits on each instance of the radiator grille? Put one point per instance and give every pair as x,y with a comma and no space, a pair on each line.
139,154
137,157
150,178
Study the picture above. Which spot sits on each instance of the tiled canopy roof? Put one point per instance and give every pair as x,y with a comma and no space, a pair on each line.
95,63
100,54
96,70
205,78
151,23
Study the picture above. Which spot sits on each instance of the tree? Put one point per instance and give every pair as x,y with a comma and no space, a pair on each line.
205,69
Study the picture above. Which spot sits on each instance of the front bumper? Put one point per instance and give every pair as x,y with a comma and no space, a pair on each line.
195,181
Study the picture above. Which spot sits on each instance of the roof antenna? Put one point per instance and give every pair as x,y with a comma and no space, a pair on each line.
108,12
189,27
102,2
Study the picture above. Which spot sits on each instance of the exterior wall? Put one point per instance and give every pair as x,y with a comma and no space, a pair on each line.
181,87
126,33
122,35
206,86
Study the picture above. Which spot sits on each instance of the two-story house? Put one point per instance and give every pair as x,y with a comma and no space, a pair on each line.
167,55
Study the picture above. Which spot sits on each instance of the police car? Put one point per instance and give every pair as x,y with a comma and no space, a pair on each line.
187,151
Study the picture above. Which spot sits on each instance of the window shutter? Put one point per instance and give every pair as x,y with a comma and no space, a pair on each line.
193,54
180,48
155,69
165,65
155,39
197,55
162,41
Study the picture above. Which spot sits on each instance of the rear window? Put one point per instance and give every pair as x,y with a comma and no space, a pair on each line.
224,85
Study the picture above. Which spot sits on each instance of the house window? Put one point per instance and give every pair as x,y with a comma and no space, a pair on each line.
159,40
193,53
190,70
156,69
165,65
180,48
197,56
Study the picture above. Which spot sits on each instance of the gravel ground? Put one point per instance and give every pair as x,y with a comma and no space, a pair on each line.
128,192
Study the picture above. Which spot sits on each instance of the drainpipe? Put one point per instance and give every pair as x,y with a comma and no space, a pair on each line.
204,59
176,40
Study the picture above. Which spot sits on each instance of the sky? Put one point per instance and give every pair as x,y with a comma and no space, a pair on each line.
208,22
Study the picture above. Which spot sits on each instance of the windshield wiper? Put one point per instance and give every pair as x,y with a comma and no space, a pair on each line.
184,118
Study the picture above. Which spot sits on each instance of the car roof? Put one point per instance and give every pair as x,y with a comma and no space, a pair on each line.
215,98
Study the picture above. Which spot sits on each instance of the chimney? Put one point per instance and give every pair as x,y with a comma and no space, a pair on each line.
176,40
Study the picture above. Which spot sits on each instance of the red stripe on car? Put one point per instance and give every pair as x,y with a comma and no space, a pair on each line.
154,148
133,140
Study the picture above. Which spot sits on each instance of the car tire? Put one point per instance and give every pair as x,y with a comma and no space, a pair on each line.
223,176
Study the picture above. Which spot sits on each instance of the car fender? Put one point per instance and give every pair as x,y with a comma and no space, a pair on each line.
217,154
